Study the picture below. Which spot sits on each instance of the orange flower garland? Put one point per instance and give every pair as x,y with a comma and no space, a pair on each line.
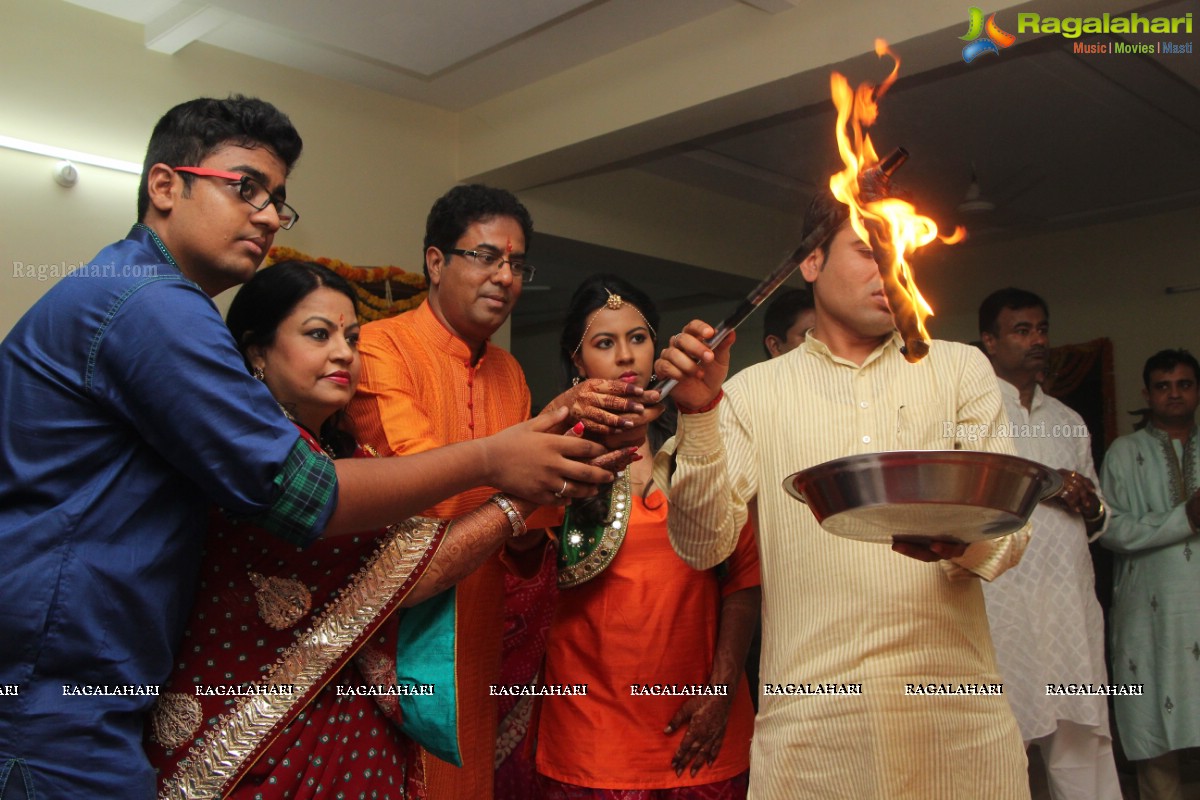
382,291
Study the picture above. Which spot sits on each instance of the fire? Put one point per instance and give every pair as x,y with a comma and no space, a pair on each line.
892,226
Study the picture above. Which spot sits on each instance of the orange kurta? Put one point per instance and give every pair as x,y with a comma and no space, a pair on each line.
418,391
648,619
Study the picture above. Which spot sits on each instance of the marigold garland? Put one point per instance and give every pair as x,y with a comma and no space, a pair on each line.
410,286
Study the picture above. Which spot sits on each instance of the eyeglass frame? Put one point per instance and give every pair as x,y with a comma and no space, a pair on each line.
245,181
521,271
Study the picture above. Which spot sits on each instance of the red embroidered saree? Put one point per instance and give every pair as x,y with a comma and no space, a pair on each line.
285,682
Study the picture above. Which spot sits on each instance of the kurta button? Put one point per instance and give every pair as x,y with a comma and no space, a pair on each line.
863,404
866,440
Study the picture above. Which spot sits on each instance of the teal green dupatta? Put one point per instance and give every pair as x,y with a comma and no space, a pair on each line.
425,647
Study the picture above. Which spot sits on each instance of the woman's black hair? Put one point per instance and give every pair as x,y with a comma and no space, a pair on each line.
590,295
266,300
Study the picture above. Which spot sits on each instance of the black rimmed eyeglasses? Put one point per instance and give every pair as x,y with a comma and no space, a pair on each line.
487,259
251,191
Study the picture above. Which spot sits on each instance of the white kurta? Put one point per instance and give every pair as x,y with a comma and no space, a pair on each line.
843,612
1046,621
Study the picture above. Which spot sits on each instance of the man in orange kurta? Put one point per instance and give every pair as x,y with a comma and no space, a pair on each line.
431,378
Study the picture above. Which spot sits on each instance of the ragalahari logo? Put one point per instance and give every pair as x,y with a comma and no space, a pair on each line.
984,37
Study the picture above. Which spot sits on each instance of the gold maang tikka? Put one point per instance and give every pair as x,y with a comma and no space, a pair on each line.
613,303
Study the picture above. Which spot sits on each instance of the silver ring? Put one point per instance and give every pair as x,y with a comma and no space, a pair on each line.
559,494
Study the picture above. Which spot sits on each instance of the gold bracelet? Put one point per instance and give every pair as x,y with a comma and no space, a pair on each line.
1099,515
514,517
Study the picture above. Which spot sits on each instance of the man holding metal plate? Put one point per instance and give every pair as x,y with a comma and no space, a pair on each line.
879,678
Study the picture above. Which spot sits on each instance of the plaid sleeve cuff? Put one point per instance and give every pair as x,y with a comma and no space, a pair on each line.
307,495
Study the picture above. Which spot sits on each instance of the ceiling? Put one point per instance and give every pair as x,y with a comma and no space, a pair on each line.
1053,138
451,54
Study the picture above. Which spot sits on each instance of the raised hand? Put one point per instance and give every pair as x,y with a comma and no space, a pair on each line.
699,370
532,460
605,406
933,551
1078,493
614,412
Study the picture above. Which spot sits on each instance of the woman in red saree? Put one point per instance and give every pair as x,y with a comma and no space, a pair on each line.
285,684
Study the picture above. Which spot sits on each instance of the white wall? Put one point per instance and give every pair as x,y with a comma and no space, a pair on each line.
372,164
1104,280
633,210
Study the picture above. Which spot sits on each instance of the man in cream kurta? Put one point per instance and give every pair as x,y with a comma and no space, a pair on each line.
1046,621
911,632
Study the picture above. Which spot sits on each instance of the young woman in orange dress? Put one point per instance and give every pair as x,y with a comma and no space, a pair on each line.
660,646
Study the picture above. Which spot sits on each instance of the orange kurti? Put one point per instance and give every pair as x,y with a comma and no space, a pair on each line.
649,619
419,390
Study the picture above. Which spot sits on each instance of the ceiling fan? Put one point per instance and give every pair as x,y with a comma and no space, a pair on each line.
982,211
973,201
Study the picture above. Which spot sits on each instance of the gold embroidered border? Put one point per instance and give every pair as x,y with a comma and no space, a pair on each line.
612,536
1182,475
212,766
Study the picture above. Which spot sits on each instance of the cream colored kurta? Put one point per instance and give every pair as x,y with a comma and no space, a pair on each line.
842,612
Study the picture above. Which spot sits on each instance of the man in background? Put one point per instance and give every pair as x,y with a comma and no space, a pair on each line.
789,317
1046,623
1151,482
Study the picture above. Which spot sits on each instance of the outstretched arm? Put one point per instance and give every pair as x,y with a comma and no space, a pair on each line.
528,460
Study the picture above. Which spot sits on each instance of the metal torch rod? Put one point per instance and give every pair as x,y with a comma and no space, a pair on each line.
875,181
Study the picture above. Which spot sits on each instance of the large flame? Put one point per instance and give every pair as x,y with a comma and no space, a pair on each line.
892,226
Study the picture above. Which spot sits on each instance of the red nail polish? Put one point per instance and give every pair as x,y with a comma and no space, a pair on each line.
637,456
577,429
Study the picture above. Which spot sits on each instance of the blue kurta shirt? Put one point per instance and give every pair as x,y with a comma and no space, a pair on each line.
126,409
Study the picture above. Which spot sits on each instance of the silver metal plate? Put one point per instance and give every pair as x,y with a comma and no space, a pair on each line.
924,495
